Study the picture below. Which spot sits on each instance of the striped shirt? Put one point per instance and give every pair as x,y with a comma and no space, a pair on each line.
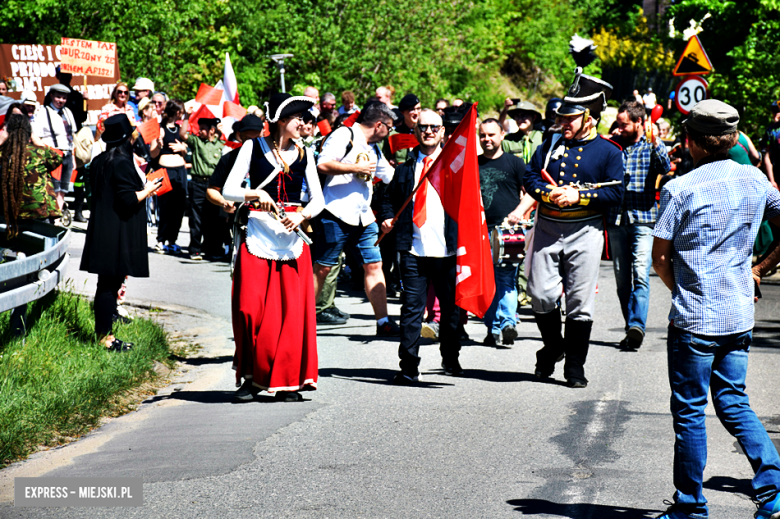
712,216
642,162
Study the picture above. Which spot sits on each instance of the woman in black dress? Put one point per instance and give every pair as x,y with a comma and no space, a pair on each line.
116,237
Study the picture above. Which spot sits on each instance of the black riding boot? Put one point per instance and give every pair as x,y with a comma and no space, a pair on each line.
78,203
550,327
576,343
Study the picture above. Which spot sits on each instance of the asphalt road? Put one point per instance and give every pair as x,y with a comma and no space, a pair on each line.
494,443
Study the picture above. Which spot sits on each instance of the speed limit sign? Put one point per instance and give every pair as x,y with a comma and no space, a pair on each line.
690,91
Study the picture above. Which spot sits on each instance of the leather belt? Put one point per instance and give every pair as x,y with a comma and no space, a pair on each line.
577,214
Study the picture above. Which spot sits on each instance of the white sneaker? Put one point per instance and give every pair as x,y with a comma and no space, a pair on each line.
430,330
159,248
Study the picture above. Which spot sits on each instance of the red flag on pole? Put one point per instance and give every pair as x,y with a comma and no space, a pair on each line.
455,176
231,109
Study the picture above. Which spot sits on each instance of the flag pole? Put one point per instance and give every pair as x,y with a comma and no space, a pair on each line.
401,210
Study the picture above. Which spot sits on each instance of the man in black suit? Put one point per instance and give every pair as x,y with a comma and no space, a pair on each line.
426,238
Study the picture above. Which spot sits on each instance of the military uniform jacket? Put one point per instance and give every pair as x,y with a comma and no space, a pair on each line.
589,160
38,201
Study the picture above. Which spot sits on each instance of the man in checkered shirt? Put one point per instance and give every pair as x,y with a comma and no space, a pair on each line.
702,252
630,226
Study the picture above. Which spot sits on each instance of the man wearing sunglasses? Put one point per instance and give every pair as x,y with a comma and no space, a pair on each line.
426,238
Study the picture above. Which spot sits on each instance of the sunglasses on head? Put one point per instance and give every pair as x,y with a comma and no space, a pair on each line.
432,127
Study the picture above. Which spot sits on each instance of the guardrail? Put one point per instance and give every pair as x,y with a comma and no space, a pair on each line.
26,279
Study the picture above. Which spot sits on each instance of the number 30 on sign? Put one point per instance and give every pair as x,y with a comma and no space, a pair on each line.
690,91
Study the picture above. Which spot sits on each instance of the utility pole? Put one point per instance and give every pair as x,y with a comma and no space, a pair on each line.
279,59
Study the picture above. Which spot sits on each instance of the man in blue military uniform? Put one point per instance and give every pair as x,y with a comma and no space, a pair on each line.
569,233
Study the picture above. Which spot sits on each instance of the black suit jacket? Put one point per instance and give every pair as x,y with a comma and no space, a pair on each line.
393,197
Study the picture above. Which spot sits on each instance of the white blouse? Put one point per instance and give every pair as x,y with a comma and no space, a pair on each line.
266,237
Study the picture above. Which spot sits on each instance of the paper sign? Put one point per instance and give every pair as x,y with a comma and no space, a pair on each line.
150,130
230,109
166,182
401,141
349,121
88,58
324,127
208,95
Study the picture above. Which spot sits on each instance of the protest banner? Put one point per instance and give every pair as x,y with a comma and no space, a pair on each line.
32,67
88,58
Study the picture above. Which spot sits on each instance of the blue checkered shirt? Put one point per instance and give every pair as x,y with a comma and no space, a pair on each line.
712,216
642,162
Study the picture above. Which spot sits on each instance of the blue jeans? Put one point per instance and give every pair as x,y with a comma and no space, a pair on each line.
630,247
503,309
698,364
332,235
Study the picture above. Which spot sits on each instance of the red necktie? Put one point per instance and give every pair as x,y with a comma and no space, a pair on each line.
419,215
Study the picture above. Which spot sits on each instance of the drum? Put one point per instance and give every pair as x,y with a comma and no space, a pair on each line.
508,245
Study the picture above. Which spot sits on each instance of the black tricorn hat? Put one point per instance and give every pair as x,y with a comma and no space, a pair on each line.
586,94
283,105
117,129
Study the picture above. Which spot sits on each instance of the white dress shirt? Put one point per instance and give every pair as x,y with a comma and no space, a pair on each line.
347,197
429,241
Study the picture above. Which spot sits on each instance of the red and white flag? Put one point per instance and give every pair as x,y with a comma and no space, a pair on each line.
455,176
229,83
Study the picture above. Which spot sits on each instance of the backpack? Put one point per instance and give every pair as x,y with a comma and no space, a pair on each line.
82,146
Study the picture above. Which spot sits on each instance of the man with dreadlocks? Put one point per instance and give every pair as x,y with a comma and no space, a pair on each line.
25,181
569,231
26,189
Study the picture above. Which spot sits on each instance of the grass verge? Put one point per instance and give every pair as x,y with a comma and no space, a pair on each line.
58,382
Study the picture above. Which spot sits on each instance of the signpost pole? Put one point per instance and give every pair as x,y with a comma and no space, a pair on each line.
85,91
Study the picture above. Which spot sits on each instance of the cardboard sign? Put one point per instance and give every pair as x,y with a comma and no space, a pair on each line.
33,68
88,58
166,182
401,141
150,130
694,60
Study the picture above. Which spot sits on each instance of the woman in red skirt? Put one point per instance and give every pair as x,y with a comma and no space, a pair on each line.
274,319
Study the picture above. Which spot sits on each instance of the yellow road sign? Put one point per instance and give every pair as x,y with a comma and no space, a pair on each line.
694,60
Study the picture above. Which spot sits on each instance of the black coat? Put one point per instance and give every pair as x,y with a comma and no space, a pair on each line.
116,237
393,197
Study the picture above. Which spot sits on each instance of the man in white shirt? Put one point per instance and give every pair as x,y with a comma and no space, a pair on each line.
350,159
649,101
426,238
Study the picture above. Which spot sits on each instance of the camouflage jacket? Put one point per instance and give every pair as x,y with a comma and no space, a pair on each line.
38,200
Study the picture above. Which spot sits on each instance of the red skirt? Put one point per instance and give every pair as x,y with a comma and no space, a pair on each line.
274,322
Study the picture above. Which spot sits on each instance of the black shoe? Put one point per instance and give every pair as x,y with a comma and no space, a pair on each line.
576,383
491,339
120,346
337,312
79,217
246,393
634,337
452,368
288,396
576,346
549,325
389,329
402,379
508,335
324,319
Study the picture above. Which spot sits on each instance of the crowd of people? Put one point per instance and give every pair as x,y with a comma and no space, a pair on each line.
299,192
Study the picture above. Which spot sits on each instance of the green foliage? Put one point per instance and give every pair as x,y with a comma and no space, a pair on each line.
59,381
741,39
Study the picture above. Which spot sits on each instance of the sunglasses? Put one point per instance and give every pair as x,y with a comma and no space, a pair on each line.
433,128
389,128
122,92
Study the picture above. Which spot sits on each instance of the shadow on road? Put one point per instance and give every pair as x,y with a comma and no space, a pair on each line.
202,397
504,376
375,376
730,485
202,361
577,511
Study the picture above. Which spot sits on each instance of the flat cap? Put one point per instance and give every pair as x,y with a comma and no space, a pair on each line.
63,89
713,117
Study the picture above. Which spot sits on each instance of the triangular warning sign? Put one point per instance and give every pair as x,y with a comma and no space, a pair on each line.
693,60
